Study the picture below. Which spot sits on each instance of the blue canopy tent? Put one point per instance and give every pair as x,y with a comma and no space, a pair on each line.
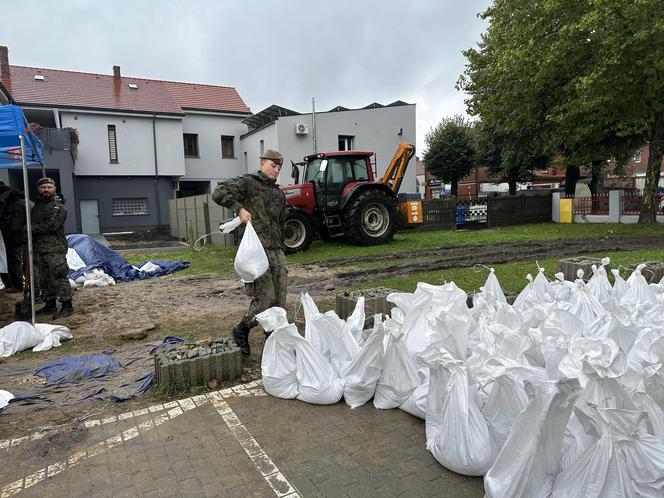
20,148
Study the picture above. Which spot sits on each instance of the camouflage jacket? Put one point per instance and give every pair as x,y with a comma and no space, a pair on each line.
266,202
48,226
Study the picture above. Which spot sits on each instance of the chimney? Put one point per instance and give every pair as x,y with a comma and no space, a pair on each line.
116,73
4,62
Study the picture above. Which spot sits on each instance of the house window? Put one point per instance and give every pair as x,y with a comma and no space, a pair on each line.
130,207
346,142
112,145
227,147
637,157
261,147
190,144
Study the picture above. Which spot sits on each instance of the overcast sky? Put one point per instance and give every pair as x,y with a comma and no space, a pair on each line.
285,52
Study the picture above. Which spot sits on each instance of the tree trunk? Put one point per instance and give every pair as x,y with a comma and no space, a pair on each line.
512,186
595,174
572,174
648,213
454,186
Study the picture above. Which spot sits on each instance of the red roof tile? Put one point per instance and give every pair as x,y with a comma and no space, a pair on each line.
99,91
206,97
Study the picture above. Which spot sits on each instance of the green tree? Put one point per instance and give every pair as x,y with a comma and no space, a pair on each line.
584,79
450,153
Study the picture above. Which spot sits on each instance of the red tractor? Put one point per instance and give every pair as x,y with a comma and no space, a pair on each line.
340,197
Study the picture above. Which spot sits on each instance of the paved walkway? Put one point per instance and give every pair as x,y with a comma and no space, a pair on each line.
237,442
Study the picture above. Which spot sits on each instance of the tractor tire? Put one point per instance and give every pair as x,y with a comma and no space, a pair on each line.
370,218
299,232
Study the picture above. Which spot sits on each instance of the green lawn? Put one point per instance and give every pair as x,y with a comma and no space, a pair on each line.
213,260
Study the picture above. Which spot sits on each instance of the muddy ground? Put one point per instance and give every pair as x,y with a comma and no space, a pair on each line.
208,306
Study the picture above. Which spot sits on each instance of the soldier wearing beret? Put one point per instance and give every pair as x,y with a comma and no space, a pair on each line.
50,249
256,197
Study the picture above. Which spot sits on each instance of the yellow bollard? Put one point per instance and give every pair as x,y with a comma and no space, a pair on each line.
566,210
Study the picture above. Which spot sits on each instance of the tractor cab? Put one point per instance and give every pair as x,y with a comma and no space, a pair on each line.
335,194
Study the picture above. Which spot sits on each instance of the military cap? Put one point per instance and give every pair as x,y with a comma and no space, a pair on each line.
44,180
273,155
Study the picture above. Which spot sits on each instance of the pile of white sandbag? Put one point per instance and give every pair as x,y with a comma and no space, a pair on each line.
559,394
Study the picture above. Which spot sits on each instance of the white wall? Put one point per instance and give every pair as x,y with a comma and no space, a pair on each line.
251,145
134,144
373,129
209,128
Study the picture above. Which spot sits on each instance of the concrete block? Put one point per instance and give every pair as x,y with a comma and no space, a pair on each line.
569,266
180,375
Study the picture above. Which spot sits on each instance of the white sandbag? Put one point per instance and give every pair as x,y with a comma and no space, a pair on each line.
272,318
250,261
599,285
624,461
149,267
525,298
355,322
584,305
74,261
18,336
492,290
278,364
530,459
5,398
95,278
310,311
399,376
318,382
363,373
505,403
457,433
619,286
329,336
639,294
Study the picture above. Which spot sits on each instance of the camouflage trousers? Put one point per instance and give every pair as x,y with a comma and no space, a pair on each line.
53,271
268,290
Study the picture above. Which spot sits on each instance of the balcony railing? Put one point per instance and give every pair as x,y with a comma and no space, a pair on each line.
55,138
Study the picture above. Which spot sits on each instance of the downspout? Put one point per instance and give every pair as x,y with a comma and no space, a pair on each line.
156,168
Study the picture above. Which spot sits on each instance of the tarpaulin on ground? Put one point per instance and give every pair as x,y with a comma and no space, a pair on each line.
96,255
110,375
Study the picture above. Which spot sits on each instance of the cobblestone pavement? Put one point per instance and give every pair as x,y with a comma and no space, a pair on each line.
236,442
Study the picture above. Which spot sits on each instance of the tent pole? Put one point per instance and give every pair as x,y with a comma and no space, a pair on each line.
26,191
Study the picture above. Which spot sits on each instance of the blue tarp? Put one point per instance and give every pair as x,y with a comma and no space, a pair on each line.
96,255
110,375
13,124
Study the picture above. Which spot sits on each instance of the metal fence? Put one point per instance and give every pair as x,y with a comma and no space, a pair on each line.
438,214
596,204
630,204
196,216
519,209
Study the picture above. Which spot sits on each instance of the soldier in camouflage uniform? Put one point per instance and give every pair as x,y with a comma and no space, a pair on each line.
50,249
257,198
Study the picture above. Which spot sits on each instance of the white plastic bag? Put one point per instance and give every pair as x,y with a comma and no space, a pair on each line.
530,459
250,261
363,373
231,225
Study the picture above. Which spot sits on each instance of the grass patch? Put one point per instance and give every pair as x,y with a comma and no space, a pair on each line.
219,260
512,276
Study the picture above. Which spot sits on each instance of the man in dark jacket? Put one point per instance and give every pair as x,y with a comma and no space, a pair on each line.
257,198
12,222
50,249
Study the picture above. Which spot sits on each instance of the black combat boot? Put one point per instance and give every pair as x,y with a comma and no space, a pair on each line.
241,337
50,307
66,310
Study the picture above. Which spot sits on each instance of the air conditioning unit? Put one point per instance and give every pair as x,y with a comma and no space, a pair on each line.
301,129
